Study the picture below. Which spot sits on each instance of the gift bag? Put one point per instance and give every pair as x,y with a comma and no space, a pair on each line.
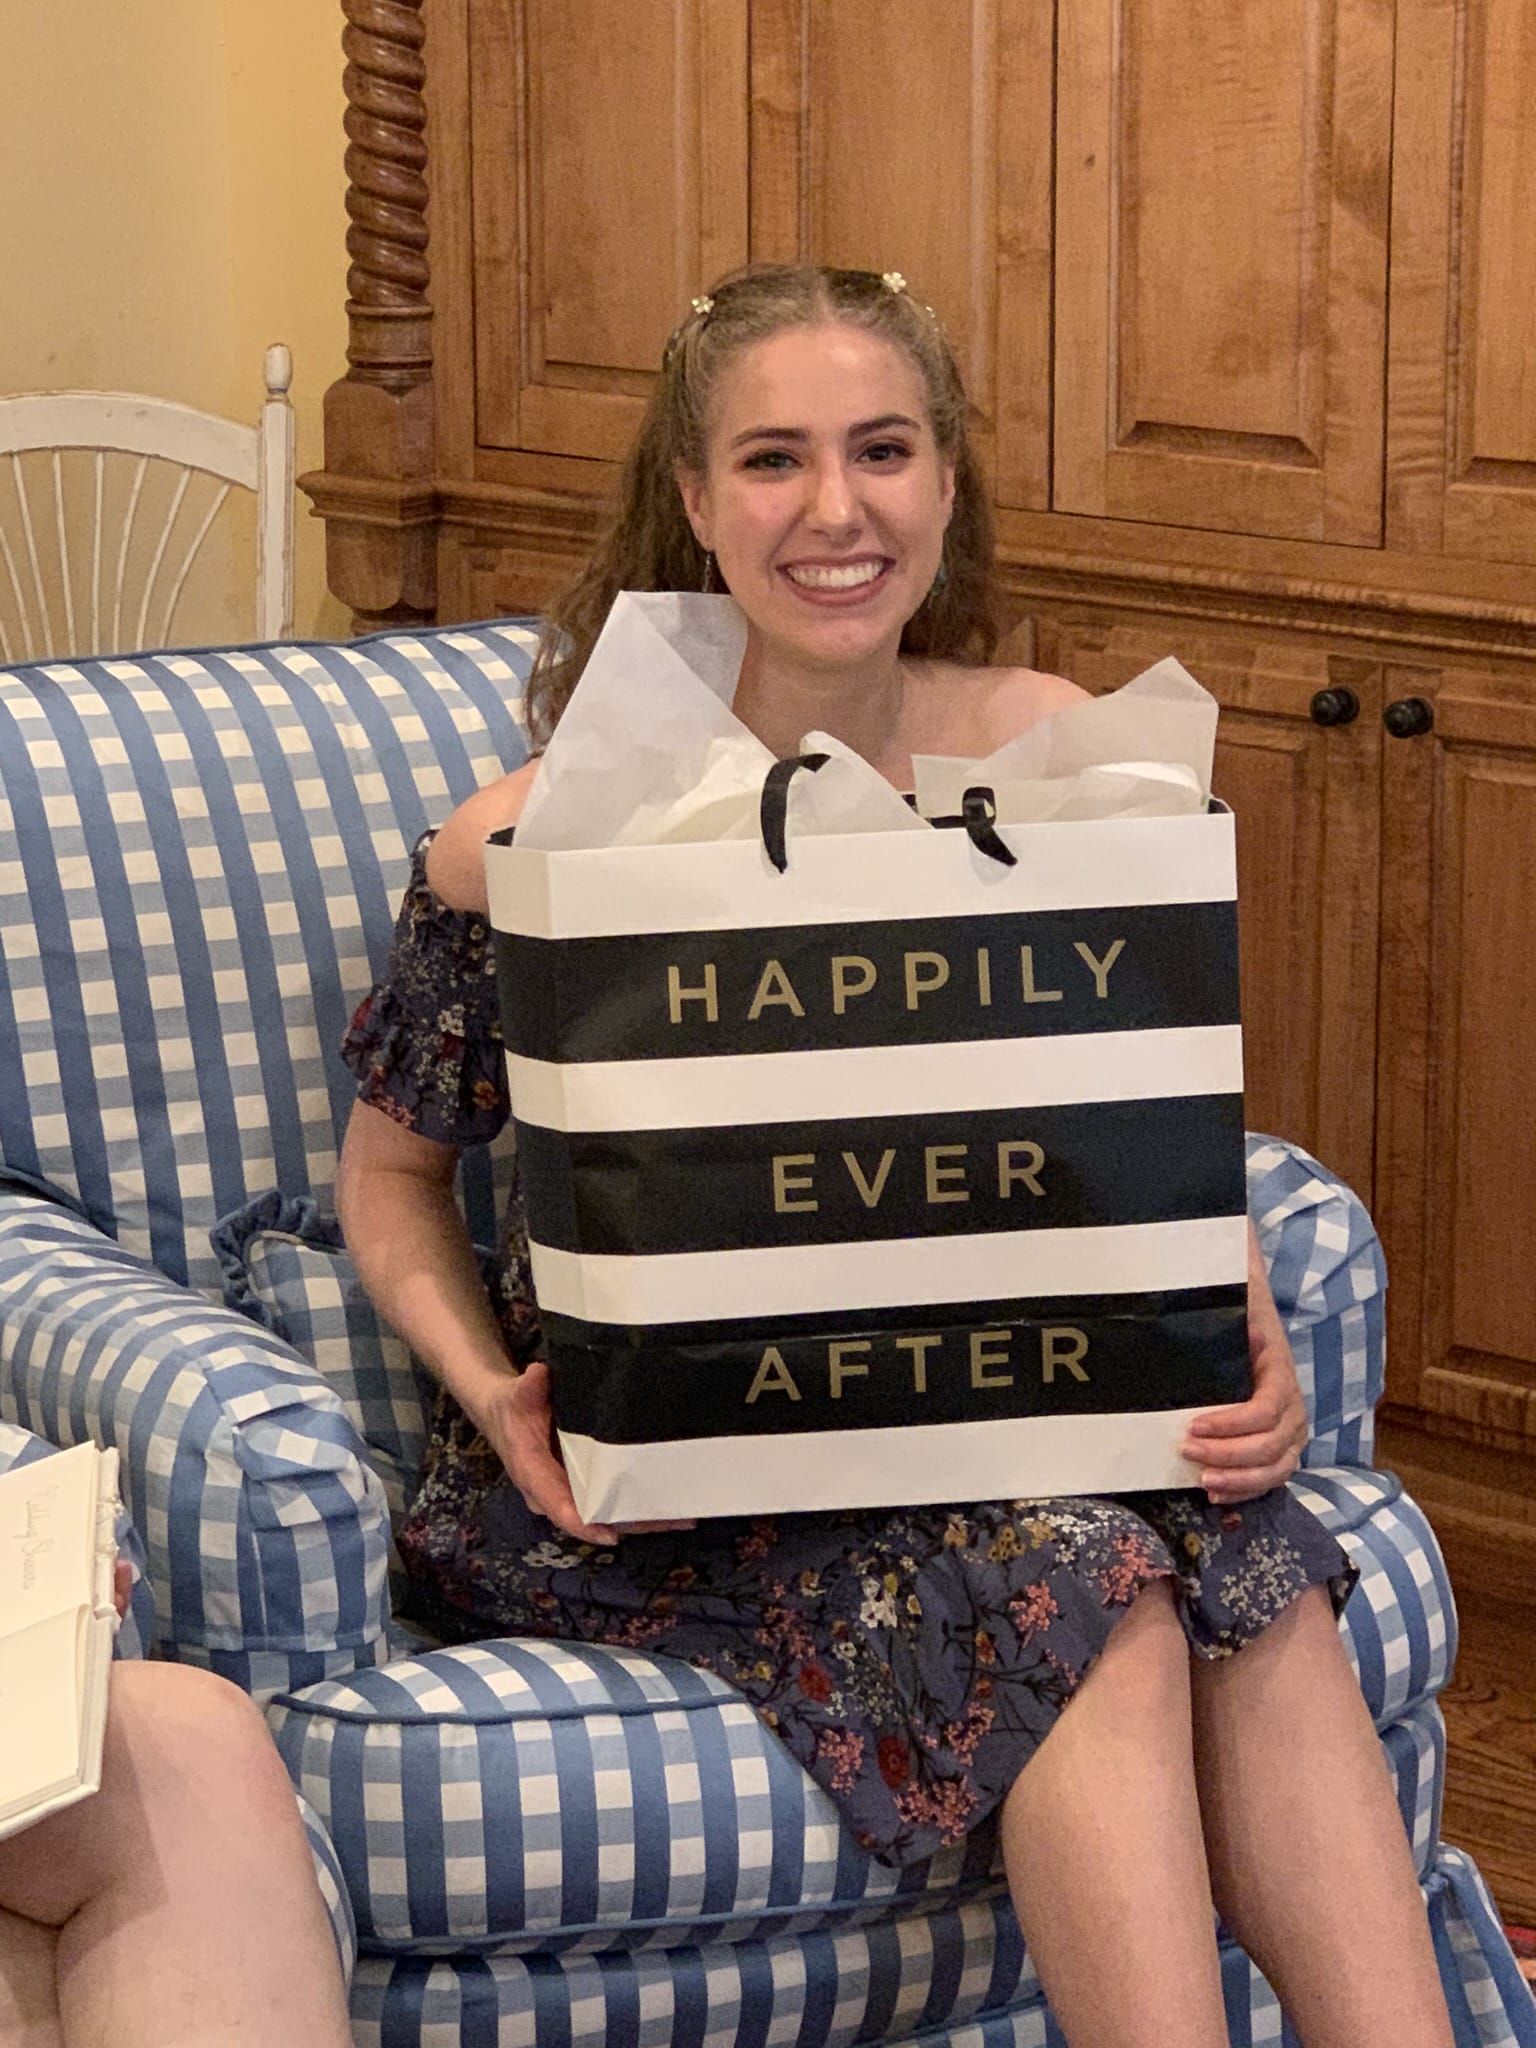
868,1166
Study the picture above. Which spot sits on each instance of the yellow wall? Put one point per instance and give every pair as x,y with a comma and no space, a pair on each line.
171,200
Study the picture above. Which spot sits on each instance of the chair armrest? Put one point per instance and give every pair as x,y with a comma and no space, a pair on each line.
1329,1277
264,1527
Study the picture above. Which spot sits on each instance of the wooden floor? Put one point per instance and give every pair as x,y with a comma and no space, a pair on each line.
1490,1719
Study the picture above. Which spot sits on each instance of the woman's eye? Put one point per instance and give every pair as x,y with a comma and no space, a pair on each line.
769,458
884,453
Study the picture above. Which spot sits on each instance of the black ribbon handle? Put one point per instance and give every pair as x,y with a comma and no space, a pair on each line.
978,813
773,813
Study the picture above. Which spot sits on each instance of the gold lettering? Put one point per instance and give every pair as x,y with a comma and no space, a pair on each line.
840,1372
786,1185
774,986
983,977
870,1191
934,1173
1031,993
773,1376
1099,969
923,984
984,1352
1062,1346
708,995
919,1348
1009,1170
843,986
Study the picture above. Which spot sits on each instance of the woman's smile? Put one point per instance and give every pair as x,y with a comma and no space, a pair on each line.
839,583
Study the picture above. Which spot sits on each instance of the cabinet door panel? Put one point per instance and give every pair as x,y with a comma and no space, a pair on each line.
896,135
1458,1187
1305,800
1462,446
1221,229
610,185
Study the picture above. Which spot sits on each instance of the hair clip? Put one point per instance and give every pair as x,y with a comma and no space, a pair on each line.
703,305
893,280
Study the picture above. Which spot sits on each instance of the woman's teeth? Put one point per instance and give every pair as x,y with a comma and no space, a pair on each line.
844,577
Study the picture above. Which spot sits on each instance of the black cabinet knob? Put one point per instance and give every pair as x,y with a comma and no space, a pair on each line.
1338,706
1409,718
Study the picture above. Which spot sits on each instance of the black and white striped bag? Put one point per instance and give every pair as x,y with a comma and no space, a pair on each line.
909,1171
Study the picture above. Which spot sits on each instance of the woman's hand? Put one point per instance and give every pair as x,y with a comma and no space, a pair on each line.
1244,1450
515,1417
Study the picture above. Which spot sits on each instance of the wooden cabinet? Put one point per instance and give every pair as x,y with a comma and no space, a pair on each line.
1221,277
1456,1181
1462,439
609,169
1243,296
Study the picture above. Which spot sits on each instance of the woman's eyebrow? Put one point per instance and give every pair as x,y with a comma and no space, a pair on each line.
801,434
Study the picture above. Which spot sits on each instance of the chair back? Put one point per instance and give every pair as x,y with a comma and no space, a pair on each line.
96,555
201,856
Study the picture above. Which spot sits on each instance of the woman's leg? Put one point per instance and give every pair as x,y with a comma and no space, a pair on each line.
1101,1837
29,1996
181,1898
1309,1863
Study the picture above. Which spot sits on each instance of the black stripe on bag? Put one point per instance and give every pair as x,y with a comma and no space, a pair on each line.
985,1369
907,981
1061,1166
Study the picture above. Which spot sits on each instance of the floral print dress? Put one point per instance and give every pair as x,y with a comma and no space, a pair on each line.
913,1659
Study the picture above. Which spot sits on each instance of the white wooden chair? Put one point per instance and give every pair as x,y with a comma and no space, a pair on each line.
44,546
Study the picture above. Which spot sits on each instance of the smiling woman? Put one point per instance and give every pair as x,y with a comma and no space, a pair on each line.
807,444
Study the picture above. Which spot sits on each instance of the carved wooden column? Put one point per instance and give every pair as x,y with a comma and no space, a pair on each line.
376,491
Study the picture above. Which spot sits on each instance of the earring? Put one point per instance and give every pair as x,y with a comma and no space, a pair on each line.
940,578
708,582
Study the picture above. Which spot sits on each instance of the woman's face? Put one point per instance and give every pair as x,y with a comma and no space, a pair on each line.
824,497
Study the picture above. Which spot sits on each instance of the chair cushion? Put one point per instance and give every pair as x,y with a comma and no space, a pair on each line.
200,859
20,1447
958,1978
285,1267
515,1793
263,1524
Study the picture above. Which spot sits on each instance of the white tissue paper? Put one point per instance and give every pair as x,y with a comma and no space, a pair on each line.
1142,751
649,752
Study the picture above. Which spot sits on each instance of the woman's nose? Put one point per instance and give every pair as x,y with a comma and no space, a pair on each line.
833,506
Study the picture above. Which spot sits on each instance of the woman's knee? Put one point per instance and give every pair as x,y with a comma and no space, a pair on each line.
179,1736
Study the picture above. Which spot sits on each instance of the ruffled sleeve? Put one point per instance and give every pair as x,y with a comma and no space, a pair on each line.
425,1043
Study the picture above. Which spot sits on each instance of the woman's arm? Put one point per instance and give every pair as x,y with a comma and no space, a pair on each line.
394,1194
456,857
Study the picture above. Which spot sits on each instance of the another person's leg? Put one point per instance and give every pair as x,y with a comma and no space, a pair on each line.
180,1901
29,1998
1102,1840
1309,1863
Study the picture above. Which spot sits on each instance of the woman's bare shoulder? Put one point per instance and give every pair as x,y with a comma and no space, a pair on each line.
456,857
1019,697
973,710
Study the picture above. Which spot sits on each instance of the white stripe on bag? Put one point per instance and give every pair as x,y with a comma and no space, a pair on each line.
1014,1458
792,1280
852,878
895,1080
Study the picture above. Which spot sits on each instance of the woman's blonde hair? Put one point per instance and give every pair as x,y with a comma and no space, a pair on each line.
649,544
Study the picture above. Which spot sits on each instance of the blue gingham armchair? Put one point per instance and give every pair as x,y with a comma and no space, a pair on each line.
536,1843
